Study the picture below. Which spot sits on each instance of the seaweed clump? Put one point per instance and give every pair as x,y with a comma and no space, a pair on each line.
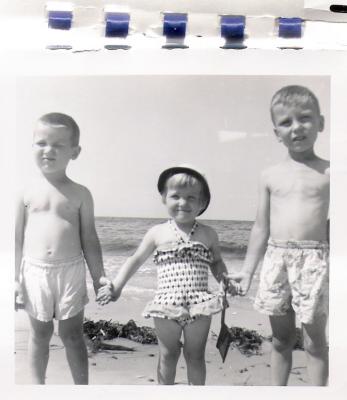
107,330
248,342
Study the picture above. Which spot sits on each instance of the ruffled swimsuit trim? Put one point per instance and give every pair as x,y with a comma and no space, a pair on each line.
182,292
210,306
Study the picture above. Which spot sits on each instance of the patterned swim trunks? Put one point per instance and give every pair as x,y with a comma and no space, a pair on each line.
294,274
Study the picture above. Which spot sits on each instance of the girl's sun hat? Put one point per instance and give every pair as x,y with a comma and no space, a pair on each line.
186,169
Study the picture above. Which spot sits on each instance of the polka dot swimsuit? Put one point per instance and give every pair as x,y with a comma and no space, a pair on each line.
182,292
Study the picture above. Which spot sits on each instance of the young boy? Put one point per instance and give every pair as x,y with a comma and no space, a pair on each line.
291,229
55,232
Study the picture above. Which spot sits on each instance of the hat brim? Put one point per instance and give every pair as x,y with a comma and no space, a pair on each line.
168,173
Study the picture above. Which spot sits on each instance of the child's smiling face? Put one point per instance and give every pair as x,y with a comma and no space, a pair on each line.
53,148
183,202
297,125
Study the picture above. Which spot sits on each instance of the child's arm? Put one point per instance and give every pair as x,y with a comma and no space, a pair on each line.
19,240
258,238
89,239
218,267
128,269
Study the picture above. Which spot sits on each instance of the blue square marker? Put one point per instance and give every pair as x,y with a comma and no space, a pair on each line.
117,24
290,27
175,25
233,26
60,19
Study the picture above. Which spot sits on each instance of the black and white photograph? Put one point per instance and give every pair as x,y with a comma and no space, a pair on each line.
173,197
172,230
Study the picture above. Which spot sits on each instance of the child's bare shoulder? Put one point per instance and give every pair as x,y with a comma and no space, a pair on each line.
79,193
158,229
156,233
28,190
269,173
80,190
208,233
323,166
207,229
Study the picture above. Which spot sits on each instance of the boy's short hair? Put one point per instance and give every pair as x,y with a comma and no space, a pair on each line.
294,94
60,119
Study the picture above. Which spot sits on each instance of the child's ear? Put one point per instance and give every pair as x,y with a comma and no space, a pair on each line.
163,198
76,152
321,123
277,135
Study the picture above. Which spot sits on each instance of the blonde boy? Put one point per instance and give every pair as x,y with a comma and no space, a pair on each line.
291,230
55,233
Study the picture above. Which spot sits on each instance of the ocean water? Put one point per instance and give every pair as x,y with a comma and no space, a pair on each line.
119,238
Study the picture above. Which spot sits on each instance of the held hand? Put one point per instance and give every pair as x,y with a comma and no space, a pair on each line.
103,281
241,281
18,297
107,292
230,286
104,290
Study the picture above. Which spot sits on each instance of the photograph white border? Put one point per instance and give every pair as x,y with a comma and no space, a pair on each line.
255,62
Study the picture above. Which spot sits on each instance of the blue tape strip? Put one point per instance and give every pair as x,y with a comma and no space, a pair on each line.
60,19
175,25
290,27
233,26
117,24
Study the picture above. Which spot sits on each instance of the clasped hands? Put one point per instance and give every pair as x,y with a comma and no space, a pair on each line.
107,291
236,283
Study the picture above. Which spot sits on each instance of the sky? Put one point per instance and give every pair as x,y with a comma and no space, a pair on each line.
133,127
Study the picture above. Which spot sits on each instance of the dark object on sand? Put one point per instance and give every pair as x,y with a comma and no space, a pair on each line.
102,330
96,344
111,346
248,342
225,337
224,340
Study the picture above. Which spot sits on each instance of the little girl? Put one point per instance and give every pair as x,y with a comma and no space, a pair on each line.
184,250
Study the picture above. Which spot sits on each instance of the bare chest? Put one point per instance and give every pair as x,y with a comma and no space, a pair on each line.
54,203
302,184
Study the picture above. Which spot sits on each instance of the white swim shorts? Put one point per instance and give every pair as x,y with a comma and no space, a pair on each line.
54,289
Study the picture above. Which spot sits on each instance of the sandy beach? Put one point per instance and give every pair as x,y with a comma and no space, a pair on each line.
138,367
119,237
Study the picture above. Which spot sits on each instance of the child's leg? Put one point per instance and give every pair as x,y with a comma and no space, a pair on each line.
316,351
283,341
195,338
40,336
71,333
169,333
